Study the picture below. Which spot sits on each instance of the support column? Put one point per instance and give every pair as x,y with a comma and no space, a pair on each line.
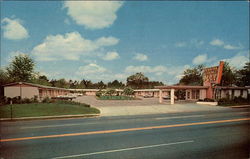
191,94
160,96
186,94
172,96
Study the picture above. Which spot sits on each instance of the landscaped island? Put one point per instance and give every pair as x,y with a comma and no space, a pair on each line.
113,94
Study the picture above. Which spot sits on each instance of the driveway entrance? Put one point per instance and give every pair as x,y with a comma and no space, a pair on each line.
143,106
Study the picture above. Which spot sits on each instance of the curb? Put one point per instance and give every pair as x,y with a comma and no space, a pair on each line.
50,117
240,106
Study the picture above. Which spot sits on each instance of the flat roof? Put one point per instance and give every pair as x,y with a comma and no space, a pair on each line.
145,90
182,87
231,87
90,90
35,85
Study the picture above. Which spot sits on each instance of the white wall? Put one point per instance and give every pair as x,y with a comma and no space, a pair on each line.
26,92
203,93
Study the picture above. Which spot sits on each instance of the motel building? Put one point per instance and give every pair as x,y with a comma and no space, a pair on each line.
211,89
30,90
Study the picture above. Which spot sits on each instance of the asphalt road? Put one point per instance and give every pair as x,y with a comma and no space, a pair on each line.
214,134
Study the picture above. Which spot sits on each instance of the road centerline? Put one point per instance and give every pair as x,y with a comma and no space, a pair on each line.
124,149
77,124
124,130
179,117
157,118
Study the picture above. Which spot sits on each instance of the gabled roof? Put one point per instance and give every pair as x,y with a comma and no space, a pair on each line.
34,85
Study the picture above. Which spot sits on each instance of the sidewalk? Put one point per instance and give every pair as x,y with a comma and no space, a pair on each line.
155,109
50,117
240,106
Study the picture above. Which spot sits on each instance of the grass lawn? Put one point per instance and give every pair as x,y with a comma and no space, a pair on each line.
116,98
44,109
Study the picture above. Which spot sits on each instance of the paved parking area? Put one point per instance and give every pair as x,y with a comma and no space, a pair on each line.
143,106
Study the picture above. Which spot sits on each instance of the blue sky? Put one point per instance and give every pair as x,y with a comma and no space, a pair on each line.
112,40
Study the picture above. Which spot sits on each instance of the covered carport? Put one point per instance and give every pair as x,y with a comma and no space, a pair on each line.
191,92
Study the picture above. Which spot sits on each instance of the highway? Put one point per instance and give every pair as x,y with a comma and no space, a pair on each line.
220,134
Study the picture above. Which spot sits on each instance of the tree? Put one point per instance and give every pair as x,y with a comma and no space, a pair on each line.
61,83
4,79
228,75
192,76
86,83
21,68
42,80
152,84
243,76
128,91
115,84
137,80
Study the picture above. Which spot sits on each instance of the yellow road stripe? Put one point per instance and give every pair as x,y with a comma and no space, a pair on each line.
123,130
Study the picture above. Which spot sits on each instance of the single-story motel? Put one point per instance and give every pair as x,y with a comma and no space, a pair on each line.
212,77
30,90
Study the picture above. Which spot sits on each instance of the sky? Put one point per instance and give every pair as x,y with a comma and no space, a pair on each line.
108,40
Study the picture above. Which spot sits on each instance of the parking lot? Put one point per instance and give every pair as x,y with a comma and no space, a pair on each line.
143,106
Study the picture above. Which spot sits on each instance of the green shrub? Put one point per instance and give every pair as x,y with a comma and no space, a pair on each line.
116,98
110,92
16,100
100,93
26,101
128,91
209,100
46,100
236,101
240,100
223,101
71,102
34,99
3,100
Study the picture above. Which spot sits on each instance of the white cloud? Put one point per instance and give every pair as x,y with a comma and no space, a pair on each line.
146,69
181,44
107,41
93,14
177,70
196,43
111,56
14,30
140,57
70,46
96,73
191,43
217,42
200,59
168,75
90,70
231,47
66,21
12,54
238,60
